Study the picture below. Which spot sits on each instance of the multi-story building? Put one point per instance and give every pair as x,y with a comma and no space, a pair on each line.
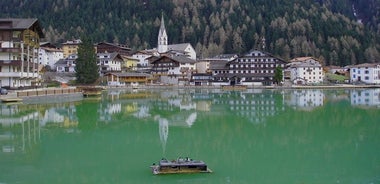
173,69
254,68
305,70
109,62
67,64
48,55
368,73
216,64
143,59
70,47
19,43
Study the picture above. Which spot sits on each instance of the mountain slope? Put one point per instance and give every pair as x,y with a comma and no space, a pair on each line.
326,29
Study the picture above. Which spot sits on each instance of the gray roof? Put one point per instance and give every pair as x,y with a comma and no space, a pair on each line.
21,24
63,62
370,65
219,65
179,47
112,56
183,59
179,59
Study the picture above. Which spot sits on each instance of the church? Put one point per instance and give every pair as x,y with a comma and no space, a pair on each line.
182,49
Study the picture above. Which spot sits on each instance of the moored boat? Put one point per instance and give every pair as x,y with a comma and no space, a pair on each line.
180,165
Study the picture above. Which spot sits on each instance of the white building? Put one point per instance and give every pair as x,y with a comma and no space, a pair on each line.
49,55
143,58
109,62
368,73
67,64
19,43
305,70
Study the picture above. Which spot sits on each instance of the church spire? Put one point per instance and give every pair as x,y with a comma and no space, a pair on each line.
162,44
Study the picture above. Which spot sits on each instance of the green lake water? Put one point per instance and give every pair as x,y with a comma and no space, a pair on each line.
253,136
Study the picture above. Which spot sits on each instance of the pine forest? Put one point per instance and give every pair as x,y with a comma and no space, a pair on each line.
336,32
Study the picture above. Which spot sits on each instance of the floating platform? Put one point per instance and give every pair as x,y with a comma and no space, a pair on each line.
91,91
11,100
180,166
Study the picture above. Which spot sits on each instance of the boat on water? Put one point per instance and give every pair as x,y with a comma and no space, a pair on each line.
180,165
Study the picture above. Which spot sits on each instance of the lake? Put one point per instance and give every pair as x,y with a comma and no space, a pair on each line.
253,136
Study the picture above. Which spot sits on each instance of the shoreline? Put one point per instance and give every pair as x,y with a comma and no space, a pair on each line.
14,94
342,86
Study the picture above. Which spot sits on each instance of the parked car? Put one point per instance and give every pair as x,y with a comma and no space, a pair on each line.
3,91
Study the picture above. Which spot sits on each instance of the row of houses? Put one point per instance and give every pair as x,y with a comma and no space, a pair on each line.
23,58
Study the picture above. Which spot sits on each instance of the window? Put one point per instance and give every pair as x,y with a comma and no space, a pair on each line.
366,72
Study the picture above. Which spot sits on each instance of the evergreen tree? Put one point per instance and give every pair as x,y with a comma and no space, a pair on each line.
86,68
278,75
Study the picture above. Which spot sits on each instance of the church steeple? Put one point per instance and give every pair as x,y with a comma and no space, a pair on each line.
162,44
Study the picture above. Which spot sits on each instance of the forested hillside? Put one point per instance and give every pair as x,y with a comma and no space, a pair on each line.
338,32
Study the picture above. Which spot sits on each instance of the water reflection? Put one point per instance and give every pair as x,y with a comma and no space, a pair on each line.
21,124
305,99
366,98
258,130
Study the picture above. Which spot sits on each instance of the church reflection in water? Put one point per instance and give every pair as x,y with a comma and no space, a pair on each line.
22,125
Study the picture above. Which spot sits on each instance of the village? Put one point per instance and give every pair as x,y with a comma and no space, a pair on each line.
24,61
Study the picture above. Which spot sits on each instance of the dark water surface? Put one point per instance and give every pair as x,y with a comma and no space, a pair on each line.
254,136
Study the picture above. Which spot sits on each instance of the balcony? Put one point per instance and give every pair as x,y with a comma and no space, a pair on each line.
19,74
10,50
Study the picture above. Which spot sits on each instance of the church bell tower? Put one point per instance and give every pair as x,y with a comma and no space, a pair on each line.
162,44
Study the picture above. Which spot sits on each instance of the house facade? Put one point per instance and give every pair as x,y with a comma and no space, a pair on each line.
109,62
19,43
49,55
143,56
368,73
66,65
70,47
175,70
127,79
254,68
305,70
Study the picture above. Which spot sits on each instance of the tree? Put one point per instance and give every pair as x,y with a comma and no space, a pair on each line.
278,75
86,68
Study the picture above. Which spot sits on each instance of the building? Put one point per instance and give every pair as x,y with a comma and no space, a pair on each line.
48,55
143,64
129,64
305,70
67,64
176,70
70,47
368,73
19,43
127,79
254,68
201,79
183,49
109,62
